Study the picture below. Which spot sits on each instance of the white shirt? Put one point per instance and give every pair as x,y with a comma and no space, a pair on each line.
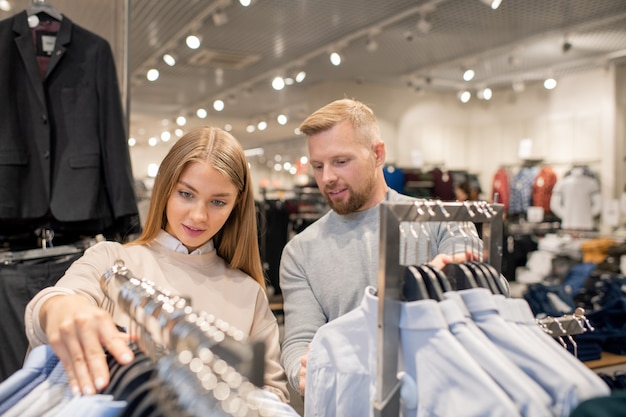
174,244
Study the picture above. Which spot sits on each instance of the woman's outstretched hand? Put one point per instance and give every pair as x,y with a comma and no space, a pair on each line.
79,332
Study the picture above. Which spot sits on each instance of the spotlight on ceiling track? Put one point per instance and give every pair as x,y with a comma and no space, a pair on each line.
219,17
549,83
169,59
423,25
193,41
567,45
468,74
464,96
494,4
370,44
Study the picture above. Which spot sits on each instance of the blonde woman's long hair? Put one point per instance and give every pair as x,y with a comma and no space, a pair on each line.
237,242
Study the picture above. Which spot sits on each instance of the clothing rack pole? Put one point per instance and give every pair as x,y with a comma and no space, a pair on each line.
163,315
387,398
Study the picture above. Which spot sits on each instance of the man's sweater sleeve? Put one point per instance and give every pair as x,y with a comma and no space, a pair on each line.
303,313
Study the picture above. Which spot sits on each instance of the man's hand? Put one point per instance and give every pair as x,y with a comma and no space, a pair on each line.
302,378
78,333
443,259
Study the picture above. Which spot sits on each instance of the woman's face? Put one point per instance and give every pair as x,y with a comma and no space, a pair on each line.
199,205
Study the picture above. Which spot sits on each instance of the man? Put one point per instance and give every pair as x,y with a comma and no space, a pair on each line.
325,269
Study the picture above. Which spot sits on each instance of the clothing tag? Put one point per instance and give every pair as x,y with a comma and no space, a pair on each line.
47,43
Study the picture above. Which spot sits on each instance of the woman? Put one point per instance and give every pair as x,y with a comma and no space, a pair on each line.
199,240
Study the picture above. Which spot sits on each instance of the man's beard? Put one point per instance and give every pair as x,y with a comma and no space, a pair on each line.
356,199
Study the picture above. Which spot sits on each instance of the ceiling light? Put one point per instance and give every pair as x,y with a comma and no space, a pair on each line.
300,76
179,133
152,74
245,3
282,119
288,81
153,169
335,58
518,86
169,59
231,99
201,113
254,152
218,105
181,120
370,44
494,4
468,74
262,125
278,83
408,36
132,142
549,83
5,5
153,141
219,17
464,96
484,94
165,136
250,128
423,25
193,41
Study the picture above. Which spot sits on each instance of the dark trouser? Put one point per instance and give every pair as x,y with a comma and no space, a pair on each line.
18,284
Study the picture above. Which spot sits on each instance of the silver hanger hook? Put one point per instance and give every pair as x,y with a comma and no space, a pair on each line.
443,210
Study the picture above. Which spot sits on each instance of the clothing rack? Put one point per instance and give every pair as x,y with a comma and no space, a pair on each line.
390,276
566,326
189,348
47,249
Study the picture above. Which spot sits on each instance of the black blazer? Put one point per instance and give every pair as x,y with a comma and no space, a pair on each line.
64,157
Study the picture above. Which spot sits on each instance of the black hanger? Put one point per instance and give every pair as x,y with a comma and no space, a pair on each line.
501,287
460,276
414,287
435,291
491,280
441,277
479,275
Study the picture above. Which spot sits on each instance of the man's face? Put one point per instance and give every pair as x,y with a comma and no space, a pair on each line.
345,169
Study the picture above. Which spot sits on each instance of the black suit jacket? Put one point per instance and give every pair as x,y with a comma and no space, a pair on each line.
64,159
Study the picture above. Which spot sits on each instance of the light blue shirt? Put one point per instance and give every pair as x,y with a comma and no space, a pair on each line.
342,361
530,399
533,359
519,313
35,362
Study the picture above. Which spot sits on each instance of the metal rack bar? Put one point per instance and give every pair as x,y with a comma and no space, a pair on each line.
390,272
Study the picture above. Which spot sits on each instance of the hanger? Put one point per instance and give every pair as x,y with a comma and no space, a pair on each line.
10,257
460,277
496,279
414,287
435,290
47,250
41,6
441,277
479,275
